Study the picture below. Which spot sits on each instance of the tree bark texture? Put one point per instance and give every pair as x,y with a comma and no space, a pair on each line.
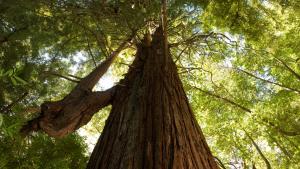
151,124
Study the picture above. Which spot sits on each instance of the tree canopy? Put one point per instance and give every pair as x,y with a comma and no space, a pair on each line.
238,60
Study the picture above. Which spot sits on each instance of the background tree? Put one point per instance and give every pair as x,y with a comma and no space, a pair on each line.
238,61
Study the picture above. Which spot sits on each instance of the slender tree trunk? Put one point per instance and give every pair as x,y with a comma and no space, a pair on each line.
151,124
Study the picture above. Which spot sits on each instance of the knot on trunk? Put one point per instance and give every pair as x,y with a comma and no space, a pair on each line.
51,108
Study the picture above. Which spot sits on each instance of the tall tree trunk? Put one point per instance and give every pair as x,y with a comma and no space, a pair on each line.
151,124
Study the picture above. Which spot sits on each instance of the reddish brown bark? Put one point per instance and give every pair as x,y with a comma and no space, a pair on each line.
59,118
151,124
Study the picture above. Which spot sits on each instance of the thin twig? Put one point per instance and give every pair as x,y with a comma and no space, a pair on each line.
222,98
220,162
192,39
62,76
268,165
268,81
288,68
178,57
90,52
8,107
76,77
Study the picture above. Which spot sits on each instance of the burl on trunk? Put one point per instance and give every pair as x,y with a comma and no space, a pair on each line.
151,125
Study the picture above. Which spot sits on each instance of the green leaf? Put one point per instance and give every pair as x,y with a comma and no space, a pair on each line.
13,80
20,80
9,72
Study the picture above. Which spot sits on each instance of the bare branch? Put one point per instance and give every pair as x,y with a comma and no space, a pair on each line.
288,67
265,80
192,39
220,86
220,162
178,57
90,52
223,98
62,76
76,77
268,165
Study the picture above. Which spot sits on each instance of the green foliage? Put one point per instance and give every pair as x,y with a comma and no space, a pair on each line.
38,151
238,60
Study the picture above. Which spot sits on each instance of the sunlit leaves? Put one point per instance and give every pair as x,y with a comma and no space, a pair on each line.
238,60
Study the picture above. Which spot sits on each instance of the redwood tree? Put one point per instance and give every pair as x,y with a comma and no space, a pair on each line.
238,61
151,124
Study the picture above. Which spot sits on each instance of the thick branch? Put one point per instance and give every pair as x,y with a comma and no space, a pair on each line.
288,133
90,80
76,77
253,165
63,117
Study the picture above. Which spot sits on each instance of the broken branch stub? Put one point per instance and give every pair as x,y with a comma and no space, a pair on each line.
60,118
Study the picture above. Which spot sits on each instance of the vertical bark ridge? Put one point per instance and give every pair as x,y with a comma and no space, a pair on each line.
151,125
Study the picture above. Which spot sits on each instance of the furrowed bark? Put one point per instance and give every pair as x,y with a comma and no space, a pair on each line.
62,117
151,124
